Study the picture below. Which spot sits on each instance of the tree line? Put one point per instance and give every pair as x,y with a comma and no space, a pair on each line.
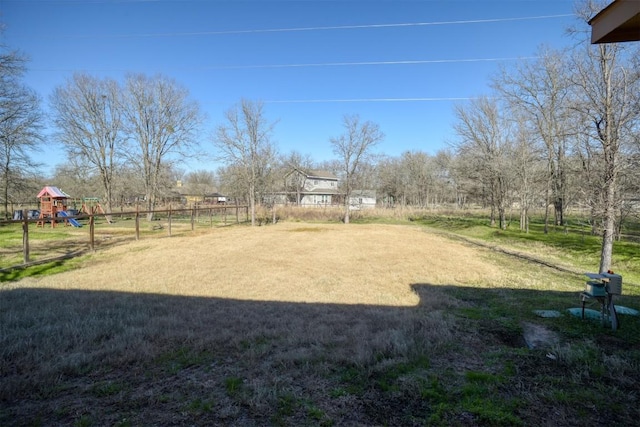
557,132
562,130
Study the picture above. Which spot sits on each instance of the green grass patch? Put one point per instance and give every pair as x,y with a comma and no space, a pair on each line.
199,406
11,234
451,223
489,411
233,386
573,244
387,378
108,388
181,358
50,268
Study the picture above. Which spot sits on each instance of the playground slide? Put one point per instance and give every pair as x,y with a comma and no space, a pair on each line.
72,221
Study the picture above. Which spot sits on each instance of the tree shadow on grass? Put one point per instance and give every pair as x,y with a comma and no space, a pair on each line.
114,358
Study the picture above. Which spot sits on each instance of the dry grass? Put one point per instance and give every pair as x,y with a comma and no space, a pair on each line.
292,324
289,262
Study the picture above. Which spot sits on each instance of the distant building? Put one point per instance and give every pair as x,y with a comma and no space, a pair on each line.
362,199
198,195
310,188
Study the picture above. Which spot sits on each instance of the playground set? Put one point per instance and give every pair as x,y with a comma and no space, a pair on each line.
54,207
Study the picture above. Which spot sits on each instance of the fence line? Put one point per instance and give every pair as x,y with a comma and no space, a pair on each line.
194,213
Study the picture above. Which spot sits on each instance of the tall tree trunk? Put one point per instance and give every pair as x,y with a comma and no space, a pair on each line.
346,207
252,203
5,190
610,150
609,225
547,198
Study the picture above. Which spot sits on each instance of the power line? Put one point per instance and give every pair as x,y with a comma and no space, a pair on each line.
320,28
320,64
326,101
344,64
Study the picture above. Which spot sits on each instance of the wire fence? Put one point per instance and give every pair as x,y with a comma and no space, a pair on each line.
30,241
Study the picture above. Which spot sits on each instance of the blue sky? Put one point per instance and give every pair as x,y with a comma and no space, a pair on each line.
402,64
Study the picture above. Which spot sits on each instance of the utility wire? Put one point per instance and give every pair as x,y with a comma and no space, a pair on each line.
327,28
319,64
344,64
367,100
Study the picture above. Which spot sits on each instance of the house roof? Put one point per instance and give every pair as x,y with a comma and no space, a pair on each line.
618,22
52,191
317,174
321,174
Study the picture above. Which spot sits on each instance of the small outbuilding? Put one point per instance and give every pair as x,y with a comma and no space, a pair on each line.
362,199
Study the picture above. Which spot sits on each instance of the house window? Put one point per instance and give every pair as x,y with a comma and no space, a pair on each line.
332,184
315,182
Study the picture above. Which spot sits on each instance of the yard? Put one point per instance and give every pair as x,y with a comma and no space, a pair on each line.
310,324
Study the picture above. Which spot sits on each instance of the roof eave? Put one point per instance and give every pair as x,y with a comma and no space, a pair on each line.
618,22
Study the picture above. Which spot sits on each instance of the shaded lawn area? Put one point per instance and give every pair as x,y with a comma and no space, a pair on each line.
458,358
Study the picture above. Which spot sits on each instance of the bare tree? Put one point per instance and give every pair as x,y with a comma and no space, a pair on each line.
418,170
163,123
78,179
353,149
537,92
391,182
445,177
129,185
20,124
245,146
231,183
485,140
88,116
607,91
200,182
529,173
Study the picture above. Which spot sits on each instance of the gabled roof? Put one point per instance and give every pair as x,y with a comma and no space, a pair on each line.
314,174
52,191
321,174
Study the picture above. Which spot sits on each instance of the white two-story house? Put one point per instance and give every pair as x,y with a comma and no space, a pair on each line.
311,188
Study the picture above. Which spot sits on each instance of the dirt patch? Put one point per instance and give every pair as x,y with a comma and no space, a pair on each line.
538,337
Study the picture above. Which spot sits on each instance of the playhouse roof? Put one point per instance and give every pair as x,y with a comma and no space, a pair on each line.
52,191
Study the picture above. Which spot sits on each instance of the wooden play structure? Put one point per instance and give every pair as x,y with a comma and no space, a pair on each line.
53,202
